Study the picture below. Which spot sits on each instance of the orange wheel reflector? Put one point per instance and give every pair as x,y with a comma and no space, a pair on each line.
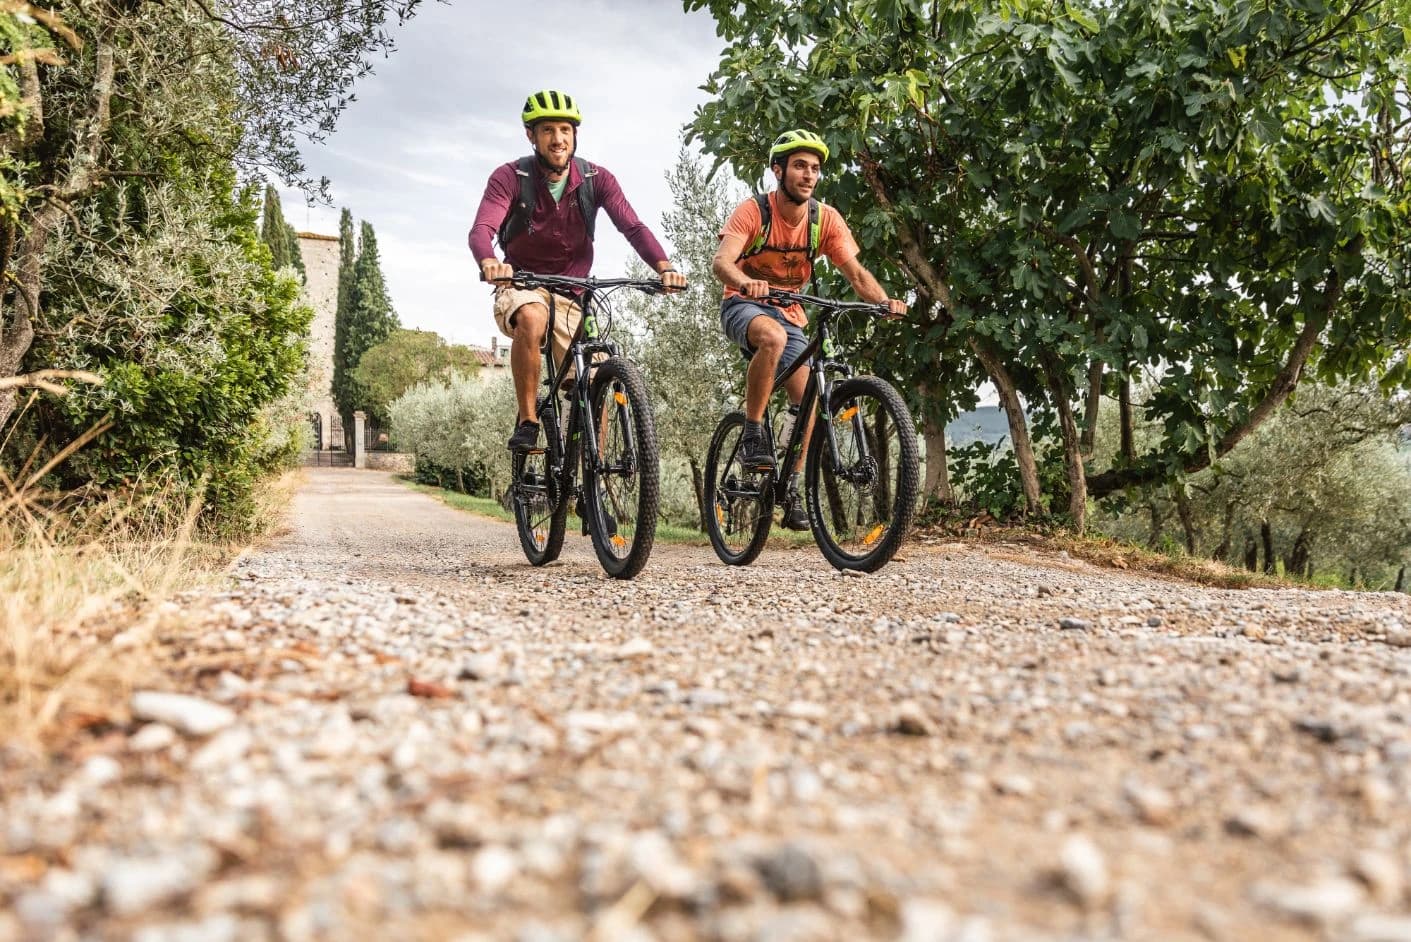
874,536
621,398
719,513
847,414
618,541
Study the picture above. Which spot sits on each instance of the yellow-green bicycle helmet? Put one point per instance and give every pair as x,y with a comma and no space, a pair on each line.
550,105
798,139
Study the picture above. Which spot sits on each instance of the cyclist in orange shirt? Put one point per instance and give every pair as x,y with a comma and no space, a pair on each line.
770,242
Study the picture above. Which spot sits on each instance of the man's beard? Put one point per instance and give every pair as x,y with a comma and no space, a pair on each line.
789,193
549,167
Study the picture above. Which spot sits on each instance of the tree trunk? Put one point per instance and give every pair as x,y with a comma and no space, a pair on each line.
1401,579
1266,536
1297,560
1183,510
1155,510
698,483
1222,551
1251,554
936,486
1018,425
1072,445
1124,407
1090,408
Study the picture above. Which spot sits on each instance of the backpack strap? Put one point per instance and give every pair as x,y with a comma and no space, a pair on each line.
587,195
761,241
815,228
518,221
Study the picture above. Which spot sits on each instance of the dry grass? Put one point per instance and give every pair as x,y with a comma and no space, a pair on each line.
81,601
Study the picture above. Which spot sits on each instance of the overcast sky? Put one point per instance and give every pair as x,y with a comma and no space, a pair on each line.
412,154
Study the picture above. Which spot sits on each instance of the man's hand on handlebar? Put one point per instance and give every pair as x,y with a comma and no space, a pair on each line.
496,271
754,288
896,309
672,281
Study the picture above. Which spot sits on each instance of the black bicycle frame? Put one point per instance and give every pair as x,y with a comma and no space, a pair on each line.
818,389
584,345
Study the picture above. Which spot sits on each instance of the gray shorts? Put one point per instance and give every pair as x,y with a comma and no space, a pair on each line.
737,311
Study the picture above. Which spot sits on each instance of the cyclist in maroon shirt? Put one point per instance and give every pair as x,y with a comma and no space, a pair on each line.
549,234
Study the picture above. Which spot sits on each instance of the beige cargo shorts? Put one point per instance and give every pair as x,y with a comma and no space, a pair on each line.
567,314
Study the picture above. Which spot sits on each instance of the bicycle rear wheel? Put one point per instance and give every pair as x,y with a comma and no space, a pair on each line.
738,503
861,507
540,506
620,497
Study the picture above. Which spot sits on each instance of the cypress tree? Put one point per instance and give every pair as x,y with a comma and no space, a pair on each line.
296,254
370,320
274,231
342,369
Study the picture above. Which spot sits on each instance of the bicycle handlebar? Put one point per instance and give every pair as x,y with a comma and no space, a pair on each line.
526,279
828,304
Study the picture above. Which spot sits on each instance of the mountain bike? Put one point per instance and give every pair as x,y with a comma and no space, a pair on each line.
861,471
605,429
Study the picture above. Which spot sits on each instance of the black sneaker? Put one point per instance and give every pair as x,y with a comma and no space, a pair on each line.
525,437
754,450
795,513
609,521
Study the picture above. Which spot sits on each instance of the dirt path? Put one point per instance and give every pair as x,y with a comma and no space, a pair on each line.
405,731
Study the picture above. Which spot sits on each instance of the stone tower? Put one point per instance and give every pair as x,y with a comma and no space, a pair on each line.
321,292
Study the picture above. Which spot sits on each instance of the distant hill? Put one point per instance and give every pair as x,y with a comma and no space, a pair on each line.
985,424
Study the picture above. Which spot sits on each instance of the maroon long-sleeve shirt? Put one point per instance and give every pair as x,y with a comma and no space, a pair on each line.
559,243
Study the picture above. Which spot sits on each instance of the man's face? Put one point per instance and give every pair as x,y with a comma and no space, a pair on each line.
553,141
798,177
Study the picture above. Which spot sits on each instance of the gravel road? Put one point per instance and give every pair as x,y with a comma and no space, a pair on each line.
391,727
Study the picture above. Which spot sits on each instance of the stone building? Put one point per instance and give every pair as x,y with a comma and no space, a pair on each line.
321,292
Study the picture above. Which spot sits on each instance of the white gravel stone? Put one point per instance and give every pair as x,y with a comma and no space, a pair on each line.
131,885
633,649
1083,871
1322,903
152,737
493,868
186,714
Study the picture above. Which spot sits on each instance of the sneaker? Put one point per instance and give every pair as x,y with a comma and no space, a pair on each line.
525,437
754,450
795,513
609,521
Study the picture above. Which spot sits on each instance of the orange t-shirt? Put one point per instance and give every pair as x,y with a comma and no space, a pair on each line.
789,270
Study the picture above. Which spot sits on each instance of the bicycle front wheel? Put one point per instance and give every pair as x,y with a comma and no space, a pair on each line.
862,475
540,506
620,494
738,502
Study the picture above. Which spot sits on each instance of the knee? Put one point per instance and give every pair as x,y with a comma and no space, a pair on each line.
529,323
770,340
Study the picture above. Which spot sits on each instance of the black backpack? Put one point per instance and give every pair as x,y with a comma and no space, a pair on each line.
517,222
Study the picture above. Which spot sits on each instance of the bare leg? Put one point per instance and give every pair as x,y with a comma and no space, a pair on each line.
528,324
767,338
